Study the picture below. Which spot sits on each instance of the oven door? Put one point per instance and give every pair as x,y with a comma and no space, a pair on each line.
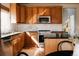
41,38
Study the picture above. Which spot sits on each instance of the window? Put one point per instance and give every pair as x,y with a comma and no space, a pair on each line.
5,21
69,20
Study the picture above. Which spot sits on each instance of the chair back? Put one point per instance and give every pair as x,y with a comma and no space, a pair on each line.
65,45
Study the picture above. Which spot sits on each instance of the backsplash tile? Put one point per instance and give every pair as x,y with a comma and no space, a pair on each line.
36,27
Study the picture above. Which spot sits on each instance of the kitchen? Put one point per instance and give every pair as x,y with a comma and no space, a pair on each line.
45,23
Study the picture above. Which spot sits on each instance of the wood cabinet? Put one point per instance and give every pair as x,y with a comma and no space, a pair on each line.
14,46
29,41
18,14
54,12
34,12
29,15
34,15
43,11
17,43
56,15
23,14
34,35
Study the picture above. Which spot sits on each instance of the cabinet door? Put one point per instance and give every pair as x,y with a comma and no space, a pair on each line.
34,35
35,15
29,15
14,45
18,42
23,17
18,14
56,14
21,40
44,11
50,45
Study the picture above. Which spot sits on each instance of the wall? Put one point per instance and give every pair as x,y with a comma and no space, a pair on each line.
6,4
65,5
77,21
13,12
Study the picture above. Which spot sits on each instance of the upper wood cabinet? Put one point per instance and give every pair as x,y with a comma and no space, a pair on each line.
29,15
44,11
18,13
23,14
56,15
34,15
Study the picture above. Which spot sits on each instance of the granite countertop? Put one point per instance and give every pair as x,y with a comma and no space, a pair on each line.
55,36
6,37
50,37
9,34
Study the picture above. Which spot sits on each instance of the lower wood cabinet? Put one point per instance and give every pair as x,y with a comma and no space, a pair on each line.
14,45
34,35
17,43
29,42
20,41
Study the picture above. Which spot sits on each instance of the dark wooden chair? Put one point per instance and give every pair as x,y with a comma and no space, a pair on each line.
60,51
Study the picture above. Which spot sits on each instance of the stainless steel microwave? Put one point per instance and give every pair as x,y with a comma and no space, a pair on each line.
44,19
